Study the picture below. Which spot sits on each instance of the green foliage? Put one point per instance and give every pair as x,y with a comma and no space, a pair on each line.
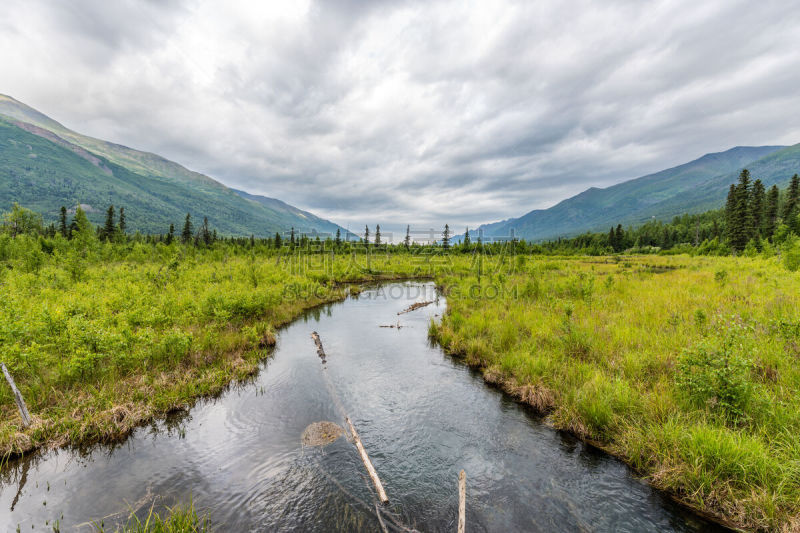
178,519
791,257
704,409
21,220
716,374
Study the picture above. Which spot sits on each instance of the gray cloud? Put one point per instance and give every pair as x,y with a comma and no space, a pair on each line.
413,112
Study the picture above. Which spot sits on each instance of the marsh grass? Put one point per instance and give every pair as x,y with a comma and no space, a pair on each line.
687,368
178,519
144,330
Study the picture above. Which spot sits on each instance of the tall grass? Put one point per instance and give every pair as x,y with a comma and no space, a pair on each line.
689,368
179,519
143,329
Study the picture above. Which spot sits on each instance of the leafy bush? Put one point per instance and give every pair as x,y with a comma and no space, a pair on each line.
716,374
791,259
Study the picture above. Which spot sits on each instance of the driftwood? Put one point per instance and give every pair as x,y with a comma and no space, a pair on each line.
368,464
462,501
23,409
318,342
415,306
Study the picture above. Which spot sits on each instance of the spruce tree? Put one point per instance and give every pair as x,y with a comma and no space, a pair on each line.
366,234
612,239
741,230
63,223
122,223
338,239
771,212
730,208
171,234
186,234
619,238
407,240
466,241
378,234
205,234
277,240
790,208
291,238
446,237
757,207
109,228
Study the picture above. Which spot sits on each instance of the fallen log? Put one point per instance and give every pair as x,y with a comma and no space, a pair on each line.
318,342
462,501
23,409
415,306
368,464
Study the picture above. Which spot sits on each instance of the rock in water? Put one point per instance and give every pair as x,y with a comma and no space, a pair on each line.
321,434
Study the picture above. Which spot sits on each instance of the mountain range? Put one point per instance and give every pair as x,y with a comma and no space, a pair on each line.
44,165
693,187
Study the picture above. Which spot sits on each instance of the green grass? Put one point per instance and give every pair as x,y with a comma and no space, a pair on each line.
687,368
179,519
99,344
688,374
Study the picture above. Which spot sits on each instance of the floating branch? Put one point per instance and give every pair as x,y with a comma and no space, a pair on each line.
23,409
368,464
415,306
462,501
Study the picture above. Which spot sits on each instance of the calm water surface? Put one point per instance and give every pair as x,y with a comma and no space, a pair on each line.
422,416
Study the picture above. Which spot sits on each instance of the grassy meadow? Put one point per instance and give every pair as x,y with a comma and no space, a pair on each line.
103,338
688,368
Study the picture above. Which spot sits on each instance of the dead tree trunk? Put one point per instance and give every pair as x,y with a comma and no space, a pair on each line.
23,409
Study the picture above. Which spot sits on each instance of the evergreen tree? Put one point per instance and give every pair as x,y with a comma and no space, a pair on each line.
277,240
107,233
366,234
771,212
378,234
186,234
730,207
758,202
407,240
619,238
291,238
446,237
612,239
790,208
338,239
63,223
205,234
122,222
742,221
466,241
171,234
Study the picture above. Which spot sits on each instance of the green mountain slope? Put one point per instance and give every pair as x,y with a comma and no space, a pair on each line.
693,187
44,165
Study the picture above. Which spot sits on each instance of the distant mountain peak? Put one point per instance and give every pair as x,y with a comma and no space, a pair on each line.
691,187
46,165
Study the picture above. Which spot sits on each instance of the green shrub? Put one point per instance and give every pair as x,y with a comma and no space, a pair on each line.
716,374
791,259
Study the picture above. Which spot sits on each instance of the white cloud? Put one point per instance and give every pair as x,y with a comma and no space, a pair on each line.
415,112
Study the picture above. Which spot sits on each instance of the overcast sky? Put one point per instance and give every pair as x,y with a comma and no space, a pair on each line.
412,112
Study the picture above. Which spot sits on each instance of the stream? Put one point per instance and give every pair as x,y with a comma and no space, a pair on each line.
422,416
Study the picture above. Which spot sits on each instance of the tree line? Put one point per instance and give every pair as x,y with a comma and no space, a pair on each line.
753,217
